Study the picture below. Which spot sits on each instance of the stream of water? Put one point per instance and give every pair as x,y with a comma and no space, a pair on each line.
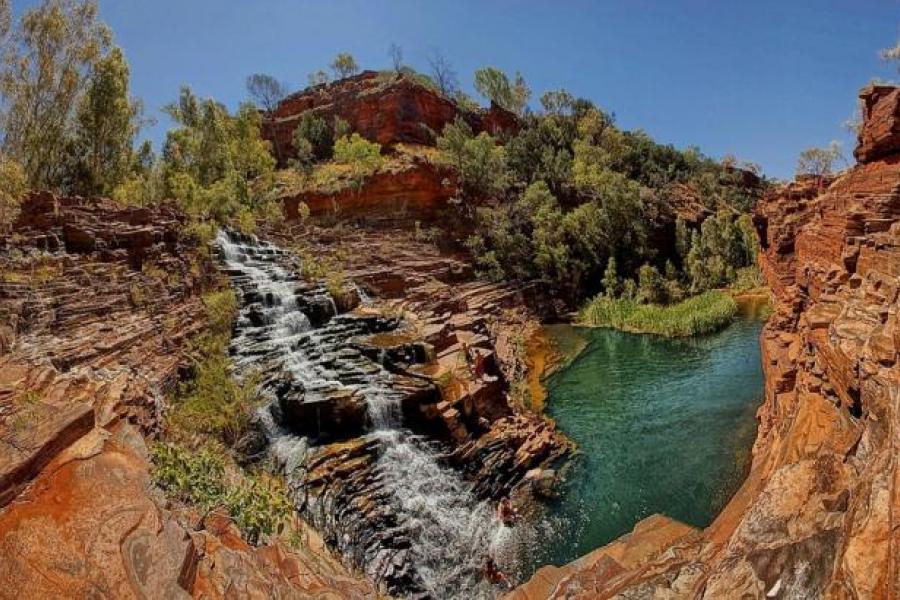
452,530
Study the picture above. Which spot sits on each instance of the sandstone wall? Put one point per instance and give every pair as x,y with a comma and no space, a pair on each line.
419,190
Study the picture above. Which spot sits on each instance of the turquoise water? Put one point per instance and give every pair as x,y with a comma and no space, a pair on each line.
663,426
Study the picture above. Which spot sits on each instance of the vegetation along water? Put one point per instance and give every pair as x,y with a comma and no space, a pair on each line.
663,426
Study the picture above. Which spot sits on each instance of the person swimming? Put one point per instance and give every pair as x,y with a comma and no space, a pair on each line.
507,513
494,575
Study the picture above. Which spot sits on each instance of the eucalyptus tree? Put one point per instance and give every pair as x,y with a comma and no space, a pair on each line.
46,67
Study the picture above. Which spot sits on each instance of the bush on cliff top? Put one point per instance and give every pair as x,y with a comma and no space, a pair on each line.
705,313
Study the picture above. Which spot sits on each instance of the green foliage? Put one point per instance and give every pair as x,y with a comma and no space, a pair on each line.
558,102
46,68
698,315
611,278
532,237
541,151
724,244
651,286
259,506
195,477
13,183
221,310
304,156
215,163
344,65
213,403
106,124
144,182
362,156
494,85
478,161
341,128
313,135
747,278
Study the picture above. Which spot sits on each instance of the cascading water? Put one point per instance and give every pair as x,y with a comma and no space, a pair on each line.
449,531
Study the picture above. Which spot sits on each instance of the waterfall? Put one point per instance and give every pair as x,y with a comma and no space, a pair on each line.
450,531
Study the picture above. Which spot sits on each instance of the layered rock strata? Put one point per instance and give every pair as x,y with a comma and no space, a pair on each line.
383,107
98,301
363,420
816,517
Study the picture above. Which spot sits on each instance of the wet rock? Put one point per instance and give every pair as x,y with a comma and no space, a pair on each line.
96,337
339,413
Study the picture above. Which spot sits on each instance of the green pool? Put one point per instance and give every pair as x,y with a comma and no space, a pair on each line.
663,426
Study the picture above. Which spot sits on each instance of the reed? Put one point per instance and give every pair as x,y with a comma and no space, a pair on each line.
704,313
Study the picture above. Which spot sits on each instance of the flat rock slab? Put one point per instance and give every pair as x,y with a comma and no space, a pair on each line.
33,431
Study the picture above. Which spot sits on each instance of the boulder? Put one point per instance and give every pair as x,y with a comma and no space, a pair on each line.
879,135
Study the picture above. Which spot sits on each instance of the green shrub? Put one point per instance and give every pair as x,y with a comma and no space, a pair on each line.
651,286
214,403
747,278
260,508
195,477
221,309
701,314
362,156
259,505
313,137
478,161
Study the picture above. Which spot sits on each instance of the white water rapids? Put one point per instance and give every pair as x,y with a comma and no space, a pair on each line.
452,532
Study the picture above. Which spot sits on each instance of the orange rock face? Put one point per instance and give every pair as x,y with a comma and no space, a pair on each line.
881,115
386,109
420,189
816,517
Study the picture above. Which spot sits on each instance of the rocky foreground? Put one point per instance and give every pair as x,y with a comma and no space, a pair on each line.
100,303
817,515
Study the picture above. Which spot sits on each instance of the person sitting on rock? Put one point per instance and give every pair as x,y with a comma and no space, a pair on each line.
494,575
507,513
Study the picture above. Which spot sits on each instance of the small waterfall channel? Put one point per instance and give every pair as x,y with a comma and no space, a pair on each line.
389,505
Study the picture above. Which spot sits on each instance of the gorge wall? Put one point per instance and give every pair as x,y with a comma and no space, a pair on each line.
817,515
98,302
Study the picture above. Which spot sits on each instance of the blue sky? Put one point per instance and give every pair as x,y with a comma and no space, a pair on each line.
761,79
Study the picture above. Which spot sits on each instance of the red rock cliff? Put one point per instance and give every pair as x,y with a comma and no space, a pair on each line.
97,303
818,514
383,108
